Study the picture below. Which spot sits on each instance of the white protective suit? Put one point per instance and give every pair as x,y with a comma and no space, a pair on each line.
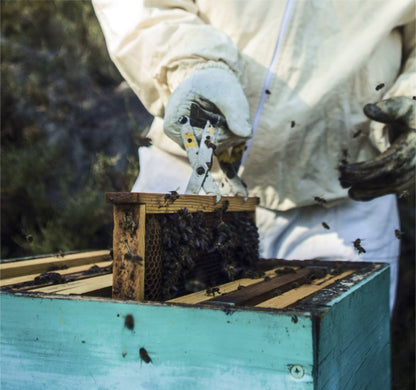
307,69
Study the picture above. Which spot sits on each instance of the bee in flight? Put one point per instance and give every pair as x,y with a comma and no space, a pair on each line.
319,199
358,247
398,234
325,225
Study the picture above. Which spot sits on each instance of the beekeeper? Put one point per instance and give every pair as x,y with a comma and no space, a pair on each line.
295,76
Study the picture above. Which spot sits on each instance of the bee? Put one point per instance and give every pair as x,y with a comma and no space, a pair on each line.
129,322
358,247
325,225
404,194
144,356
212,291
379,86
267,278
231,270
128,222
292,124
228,311
398,234
337,270
267,91
285,270
344,159
357,133
172,196
277,292
319,199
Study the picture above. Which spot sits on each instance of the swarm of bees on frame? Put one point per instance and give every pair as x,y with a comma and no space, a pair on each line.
236,240
228,242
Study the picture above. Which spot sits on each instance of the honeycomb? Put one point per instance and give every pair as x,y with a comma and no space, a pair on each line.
153,253
187,252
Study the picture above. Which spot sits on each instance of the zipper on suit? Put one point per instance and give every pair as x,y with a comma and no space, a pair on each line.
282,32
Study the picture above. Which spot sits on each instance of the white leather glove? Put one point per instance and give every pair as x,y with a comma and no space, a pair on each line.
218,91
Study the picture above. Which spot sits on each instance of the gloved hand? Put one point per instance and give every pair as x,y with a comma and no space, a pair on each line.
393,170
215,90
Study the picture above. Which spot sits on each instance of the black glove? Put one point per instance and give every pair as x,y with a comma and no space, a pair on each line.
392,171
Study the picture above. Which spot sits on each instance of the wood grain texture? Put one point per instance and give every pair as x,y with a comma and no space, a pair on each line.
83,286
40,265
129,251
352,339
85,344
50,341
158,204
201,296
68,271
258,292
292,296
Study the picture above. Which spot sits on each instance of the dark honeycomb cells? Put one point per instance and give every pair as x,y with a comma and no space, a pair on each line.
188,251
153,258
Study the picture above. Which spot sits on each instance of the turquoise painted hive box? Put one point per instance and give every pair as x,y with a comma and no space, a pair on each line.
290,325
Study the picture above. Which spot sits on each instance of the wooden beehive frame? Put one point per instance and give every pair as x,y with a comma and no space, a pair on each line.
18,275
130,210
248,292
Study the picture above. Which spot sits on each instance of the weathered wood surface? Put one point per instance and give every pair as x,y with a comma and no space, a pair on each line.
352,339
202,296
85,344
295,295
341,343
130,230
79,273
161,203
78,287
67,271
258,292
45,264
129,251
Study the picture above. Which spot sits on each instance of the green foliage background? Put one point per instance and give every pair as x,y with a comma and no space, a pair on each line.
58,122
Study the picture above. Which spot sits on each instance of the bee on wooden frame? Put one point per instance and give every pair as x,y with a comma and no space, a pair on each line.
171,196
212,291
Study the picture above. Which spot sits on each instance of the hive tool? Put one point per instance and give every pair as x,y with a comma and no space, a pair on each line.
200,156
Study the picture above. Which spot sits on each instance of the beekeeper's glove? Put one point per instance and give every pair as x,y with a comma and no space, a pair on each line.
215,90
392,171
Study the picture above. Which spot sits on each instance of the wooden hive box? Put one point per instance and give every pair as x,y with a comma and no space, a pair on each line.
295,325
142,222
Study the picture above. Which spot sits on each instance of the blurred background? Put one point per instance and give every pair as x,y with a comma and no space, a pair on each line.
70,130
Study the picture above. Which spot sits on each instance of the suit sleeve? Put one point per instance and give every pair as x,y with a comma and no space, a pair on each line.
157,44
405,84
